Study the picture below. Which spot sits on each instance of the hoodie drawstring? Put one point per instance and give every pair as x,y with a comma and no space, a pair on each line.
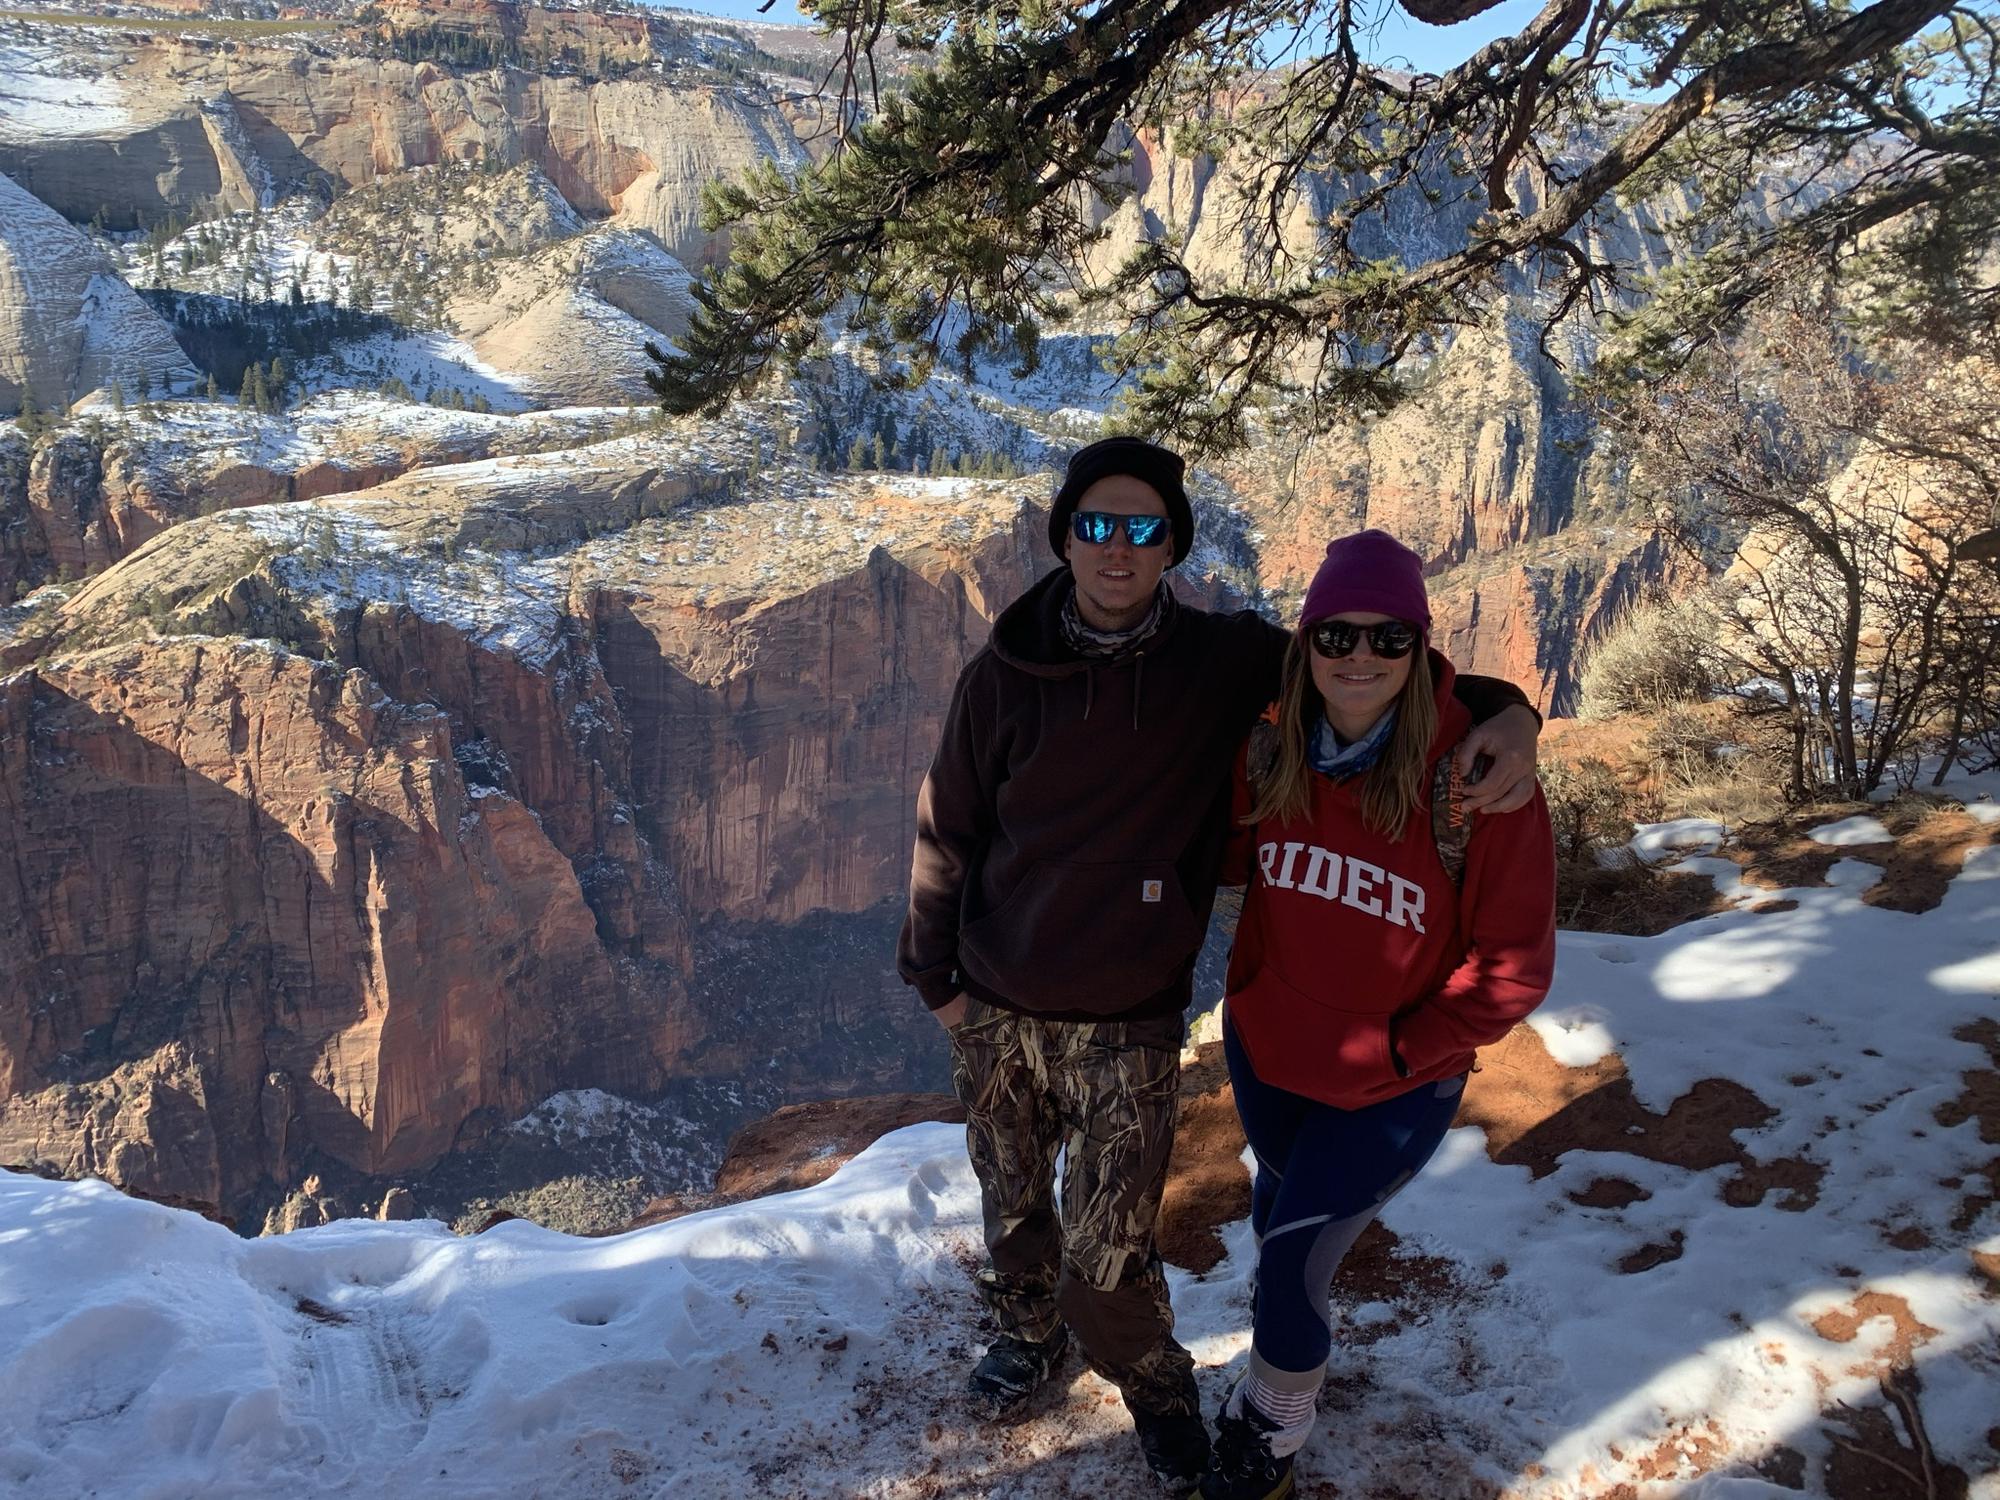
1138,687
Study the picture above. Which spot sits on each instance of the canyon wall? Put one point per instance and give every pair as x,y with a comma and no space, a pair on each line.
298,876
205,124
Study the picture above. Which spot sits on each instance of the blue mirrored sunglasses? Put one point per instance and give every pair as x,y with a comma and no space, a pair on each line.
1098,526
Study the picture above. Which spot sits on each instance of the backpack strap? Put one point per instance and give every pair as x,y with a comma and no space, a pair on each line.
1451,824
1261,758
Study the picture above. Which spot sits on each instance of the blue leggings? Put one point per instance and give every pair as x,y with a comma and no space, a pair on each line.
1322,1174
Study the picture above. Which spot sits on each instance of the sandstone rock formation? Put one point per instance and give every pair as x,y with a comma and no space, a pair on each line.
230,862
636,149
18,572
1487,471
458,209
388,773
572,322
1491,459
68,324
342,906
83,498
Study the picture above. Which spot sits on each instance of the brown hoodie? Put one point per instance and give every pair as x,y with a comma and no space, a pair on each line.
1072,825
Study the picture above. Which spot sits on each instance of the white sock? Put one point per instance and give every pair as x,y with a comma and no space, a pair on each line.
1290,1404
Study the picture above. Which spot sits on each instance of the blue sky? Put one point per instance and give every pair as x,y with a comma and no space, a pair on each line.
1395,39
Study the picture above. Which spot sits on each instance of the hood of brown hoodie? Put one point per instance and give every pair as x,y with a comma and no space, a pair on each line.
1028,636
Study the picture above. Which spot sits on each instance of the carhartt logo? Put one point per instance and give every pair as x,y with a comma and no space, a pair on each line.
1149,890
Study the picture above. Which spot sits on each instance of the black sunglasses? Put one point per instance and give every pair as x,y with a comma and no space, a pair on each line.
1098,527
1388,640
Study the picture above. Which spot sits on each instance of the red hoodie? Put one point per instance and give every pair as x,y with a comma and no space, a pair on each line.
1347,936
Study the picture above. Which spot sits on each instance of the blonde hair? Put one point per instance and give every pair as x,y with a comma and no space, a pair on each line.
1393,790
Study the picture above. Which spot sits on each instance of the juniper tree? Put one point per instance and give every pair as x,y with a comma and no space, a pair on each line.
32,419
1842,477
958,215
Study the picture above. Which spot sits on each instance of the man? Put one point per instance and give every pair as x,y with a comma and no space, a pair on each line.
1069,836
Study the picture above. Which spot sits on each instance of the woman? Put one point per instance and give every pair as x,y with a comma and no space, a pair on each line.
1376,950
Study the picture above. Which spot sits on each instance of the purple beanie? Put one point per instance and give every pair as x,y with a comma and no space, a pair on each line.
1369,572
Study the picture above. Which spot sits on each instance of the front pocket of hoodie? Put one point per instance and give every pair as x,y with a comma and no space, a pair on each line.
1305,1046
1080,936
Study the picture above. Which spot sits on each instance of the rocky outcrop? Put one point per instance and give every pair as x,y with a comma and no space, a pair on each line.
1531,618
68,324
1489,473
572,322
636,149
83,498
258,902
349,904
785,736
426,219
90,502
20,560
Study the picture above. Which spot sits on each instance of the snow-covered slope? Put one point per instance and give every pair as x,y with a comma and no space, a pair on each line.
1526,1343
59,88
571,322
68,324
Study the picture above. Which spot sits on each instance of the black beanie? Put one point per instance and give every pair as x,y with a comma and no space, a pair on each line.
1157,466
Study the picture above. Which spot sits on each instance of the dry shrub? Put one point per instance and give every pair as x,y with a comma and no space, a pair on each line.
1590,810
1600,886
1662,653
1711,760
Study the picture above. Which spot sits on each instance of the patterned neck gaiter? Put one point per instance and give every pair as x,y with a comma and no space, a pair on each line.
1102,645
1330,758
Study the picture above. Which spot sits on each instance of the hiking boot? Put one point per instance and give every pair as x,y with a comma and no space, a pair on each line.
1013,1369
1243,1466
1176,1448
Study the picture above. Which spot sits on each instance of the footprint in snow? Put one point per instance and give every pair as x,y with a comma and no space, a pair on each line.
87,1369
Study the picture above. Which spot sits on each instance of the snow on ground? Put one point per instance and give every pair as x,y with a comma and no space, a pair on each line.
276,246
350,550
1840,1017
1069,391
48,89
198,439
1849,832
274,250
1973,788
344,555
424,360
1653,842
811,1344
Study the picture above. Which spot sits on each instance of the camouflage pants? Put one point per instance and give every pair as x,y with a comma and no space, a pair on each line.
1103,1093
